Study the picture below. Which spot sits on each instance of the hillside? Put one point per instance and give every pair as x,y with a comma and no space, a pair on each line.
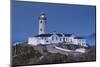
47,54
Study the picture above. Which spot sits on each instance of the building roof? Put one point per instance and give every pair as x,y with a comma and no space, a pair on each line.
43,35
60,35
48,35
79,37
68,35
42,16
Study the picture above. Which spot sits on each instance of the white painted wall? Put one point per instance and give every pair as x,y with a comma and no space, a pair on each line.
42,26
49,40
33,41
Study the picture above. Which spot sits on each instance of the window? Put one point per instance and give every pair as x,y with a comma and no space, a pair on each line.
56,38
42,38
71,41
40,29
63,39
66,39
52,38
46,41
45,38
60,39
40,21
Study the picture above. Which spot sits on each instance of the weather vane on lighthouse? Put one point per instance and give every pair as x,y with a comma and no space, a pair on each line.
42,23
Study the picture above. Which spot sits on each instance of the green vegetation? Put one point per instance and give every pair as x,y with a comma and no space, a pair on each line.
53,58
23,54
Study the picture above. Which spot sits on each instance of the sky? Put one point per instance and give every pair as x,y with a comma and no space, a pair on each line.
78,20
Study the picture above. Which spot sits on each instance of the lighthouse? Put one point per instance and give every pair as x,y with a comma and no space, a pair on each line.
42,23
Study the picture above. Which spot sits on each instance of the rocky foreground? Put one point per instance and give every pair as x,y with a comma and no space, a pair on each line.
49,54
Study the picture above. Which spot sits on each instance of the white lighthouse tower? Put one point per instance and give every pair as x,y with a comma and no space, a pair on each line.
42,23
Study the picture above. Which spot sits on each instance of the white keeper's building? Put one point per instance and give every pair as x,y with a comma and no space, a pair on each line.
53,38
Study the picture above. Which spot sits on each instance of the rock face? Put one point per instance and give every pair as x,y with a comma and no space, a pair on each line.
50,54
64,51
60,56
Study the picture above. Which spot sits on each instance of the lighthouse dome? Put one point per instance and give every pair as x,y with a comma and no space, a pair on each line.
42,16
